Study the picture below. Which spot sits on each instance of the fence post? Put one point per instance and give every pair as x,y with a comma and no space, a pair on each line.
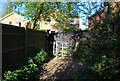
53,47
25,41
56,48
62,48
1,51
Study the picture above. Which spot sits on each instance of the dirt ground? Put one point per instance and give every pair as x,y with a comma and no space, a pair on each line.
60,68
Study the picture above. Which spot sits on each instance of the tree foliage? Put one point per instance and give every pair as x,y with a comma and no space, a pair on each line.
36,11
87,9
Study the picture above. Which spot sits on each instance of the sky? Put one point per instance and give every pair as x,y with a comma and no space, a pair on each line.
2,4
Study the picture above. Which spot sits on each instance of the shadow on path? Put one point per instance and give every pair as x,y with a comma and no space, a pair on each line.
59,69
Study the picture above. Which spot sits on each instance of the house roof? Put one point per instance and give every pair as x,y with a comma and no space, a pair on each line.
12,14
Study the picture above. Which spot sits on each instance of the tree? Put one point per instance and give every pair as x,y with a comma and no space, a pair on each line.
35,11
87,9
47,8
12,6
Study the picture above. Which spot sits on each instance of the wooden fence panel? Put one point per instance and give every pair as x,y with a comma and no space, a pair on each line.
18,41
35,39
12,44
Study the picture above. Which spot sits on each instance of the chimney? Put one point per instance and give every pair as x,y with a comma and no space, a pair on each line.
106,4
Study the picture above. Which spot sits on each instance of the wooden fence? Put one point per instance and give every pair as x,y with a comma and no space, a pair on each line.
18,41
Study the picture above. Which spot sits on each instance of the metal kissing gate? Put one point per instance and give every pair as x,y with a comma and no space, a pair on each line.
64,44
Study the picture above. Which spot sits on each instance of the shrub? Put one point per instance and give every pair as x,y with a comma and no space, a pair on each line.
40,57
68,29
104,47
82,54
28,71
107,67
24,73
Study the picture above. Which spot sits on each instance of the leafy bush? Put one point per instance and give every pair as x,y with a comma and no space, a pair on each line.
24,73
68,29
28,71
40,57
104,43
82,54
107,67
